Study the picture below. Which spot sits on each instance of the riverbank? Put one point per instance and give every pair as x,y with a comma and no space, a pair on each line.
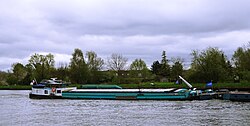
201,86
15,87
216,86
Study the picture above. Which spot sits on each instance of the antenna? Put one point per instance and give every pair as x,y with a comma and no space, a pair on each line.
188,84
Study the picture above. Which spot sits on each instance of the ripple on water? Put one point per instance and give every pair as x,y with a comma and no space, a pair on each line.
17,109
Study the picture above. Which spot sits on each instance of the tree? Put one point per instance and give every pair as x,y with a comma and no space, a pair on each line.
94,64
138,68
62,72
156,67
3,78
78,67
30,74
210,64
165,67
177,68
138,64
19,72
116,62
241,60
42,65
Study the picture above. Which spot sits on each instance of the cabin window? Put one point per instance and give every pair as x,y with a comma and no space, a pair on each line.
58,91
46,92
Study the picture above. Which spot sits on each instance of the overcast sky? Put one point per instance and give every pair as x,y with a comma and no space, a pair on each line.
133,28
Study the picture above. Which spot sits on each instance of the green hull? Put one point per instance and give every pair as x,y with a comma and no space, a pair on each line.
126,95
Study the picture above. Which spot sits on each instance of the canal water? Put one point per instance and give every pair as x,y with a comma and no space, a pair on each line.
17,109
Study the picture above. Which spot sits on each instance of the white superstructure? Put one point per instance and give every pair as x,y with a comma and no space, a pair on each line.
49,89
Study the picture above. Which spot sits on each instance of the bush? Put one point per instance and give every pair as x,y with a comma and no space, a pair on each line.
246,76
131,80
3,83
119,80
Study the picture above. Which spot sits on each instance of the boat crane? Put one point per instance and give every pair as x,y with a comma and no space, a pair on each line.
188,84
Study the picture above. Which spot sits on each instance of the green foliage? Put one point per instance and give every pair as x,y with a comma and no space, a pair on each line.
94,62
120,80
19,72
95,65
15,87
42,66
210,64
207,65
62,72
164,70
138,69
176,69
78,68
3,78
138,65
153,85
30,74
156,68
241,59
106,76
131,80
196,85
165,67
11,79
146,85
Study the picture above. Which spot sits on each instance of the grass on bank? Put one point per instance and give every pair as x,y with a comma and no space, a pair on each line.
147,85
196,85
15,87
173,85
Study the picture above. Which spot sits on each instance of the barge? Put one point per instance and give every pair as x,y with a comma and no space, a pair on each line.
50,89
118,93
237,96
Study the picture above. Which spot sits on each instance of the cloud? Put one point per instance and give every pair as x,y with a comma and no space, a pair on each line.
136,29
150,17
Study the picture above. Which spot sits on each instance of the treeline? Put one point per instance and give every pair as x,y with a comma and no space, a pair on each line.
206,65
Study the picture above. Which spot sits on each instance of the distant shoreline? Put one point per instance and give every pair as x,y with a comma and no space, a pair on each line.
14,88
230,87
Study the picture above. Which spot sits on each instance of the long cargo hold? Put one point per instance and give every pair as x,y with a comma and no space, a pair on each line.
126,94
